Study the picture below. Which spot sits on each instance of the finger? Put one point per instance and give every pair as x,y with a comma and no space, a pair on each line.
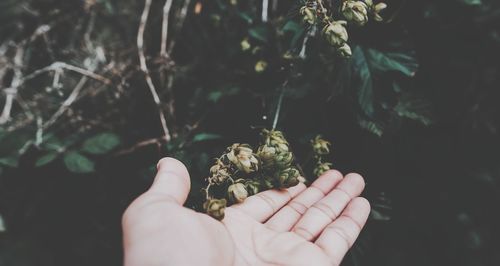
323,212
172,180
263,205
288,216
339,236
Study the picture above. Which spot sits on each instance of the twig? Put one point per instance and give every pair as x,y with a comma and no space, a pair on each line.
67,103
61,65
144,67
11,92
265,8
164,28
138,145
179,23
278,107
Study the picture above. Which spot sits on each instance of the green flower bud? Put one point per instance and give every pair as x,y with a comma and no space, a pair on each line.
355,12
219,172
237,193
252,186
284,160
320,146
377,10
321,168
242,157
288,177
267,183
308,15
345,50
336,33
215,208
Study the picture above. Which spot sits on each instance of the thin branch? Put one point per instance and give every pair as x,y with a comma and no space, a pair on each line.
278,107
61,65
11,92
265,8
164,28
144,67
180,18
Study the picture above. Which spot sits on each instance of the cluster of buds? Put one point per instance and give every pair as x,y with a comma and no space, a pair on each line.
334,31
321,148
240,173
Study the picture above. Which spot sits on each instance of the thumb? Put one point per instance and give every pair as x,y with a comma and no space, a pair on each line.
172,180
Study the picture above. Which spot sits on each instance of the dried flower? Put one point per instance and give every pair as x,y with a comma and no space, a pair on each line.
241,155
260,66
308,15
237,193
335,33
321,168
252,186
377,10
345,50
355,12
320,146
288,177
215,208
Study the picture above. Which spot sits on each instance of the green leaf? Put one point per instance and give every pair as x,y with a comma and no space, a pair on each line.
260,33
363,81
292,26
205,136
45,159
414,108
371,126
101,143
215,96
78,163
11,161
392,62
471,2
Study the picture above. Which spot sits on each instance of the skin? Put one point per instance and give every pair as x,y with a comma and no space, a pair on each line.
298,226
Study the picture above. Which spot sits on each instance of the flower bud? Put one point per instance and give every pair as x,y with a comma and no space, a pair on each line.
345,50
288,177
377,10
336,33
252,186
245,45
355,12
237,193
215,208
242,157
321,168
260,66
308,15
320,146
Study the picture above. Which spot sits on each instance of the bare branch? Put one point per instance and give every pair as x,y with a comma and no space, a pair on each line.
164,28
61,65
11,92
144,67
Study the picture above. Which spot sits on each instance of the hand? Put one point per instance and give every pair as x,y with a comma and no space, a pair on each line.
296,226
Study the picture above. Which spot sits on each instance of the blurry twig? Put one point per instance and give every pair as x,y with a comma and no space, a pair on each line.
61,65
265,9
11,92
145,70
278,107
164,28
181,17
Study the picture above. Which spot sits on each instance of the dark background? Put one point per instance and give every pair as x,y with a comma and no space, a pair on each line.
429,151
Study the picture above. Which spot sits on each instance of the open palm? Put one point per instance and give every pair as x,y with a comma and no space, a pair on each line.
298,226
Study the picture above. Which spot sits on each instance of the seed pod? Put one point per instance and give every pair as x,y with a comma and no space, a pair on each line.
241,155
237,193
308,15
377,10
288,177
335,33
345,50
321,168
320,146
215,208
355,12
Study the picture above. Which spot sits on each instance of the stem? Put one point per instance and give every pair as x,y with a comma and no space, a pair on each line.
164,28
145,70
278,107
265,8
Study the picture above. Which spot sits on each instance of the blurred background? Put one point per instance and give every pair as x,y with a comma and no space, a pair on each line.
94,92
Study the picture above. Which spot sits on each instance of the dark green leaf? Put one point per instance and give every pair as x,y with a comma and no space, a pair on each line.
101,143
414,108
260,33
363,81
45,159
392,62
205,136
371,126
78,163
11,161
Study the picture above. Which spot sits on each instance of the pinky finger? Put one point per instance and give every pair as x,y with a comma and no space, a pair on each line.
338,237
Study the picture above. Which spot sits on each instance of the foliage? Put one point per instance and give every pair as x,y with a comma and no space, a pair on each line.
414,109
